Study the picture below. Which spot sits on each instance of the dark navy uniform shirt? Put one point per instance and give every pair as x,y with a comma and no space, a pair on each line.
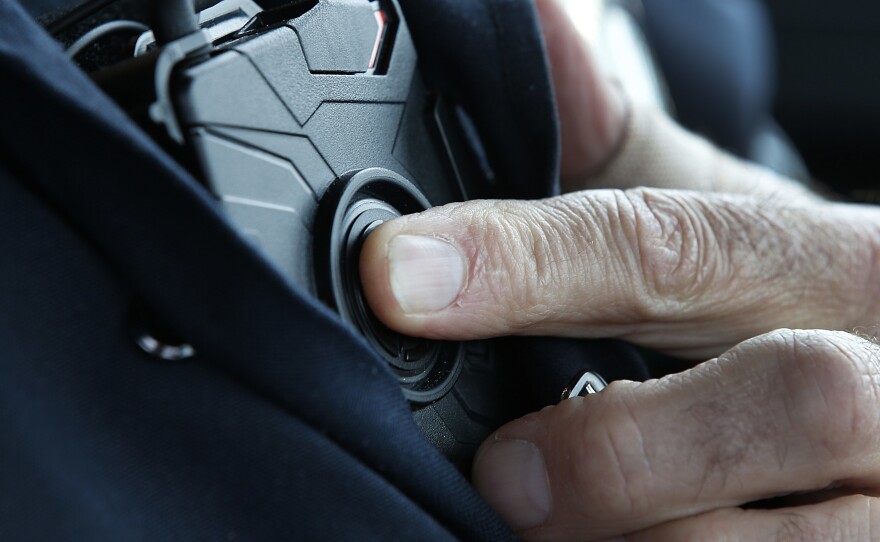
287,427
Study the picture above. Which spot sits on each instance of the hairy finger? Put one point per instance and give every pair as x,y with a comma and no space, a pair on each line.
788,412
690,273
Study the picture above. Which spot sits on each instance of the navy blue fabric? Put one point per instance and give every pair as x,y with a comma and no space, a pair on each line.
548,364
718,59
489,55
99,443
286,426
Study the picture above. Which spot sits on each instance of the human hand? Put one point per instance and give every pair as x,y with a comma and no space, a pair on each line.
692,273
592,110
739,252
689,273
791,412
598,127
651,266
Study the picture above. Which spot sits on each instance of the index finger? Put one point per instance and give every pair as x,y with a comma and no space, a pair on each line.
690,273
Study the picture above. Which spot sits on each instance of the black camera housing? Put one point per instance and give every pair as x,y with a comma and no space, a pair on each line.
311,123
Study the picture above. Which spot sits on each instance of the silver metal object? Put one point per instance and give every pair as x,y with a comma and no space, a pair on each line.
162,112
101,31
166,352
154,338
583,384
232,15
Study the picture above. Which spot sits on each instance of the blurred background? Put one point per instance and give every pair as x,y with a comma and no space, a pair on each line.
828,88
792,84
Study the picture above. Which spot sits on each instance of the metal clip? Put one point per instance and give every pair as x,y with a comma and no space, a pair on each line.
162,110
583,384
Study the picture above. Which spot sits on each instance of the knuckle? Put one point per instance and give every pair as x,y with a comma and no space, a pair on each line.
864,262
837,372
613,470
678,250
506,255
539,248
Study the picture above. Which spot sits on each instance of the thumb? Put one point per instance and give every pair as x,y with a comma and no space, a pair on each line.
480,269
568,472
685,272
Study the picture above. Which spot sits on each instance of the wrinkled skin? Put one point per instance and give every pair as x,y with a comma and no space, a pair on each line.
703,274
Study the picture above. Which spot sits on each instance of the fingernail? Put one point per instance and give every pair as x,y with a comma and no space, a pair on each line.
512,477
427,274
